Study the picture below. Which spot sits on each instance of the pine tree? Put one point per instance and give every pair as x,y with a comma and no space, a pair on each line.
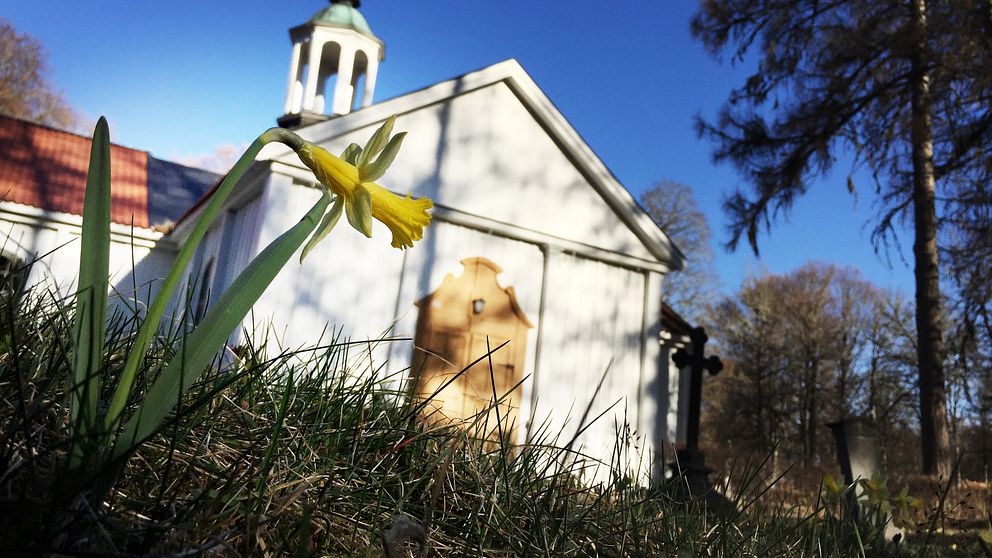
902,85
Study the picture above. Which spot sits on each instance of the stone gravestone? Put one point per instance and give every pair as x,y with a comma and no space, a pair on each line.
859,456
857,448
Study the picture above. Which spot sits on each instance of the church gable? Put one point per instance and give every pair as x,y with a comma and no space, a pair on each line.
489,148
534,243
493,159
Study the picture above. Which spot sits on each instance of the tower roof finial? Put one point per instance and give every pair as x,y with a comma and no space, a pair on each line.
343,13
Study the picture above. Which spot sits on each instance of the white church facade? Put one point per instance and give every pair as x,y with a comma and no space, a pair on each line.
536,253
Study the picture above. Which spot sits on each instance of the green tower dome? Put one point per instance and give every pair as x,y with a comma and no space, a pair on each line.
343,13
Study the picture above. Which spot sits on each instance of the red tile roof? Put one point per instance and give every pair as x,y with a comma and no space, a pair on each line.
46,168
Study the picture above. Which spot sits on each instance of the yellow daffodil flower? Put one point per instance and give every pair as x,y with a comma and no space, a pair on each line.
876,490
902,506
831,485
904,501
352,177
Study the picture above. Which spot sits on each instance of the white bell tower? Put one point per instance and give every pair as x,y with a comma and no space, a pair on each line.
334,65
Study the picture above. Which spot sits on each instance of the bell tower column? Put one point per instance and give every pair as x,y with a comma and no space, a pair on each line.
370,75
332,53
344,91
294,88
312,81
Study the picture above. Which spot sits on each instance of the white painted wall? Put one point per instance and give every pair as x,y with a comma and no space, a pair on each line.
229,245
239,240
655,396
347,281
592,332
29,233
677,417
483,155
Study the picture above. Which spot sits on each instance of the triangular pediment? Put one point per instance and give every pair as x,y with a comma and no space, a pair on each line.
489,146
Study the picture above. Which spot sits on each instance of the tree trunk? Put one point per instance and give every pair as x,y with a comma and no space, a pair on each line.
933,400
872,389
844,368
812,377
763,425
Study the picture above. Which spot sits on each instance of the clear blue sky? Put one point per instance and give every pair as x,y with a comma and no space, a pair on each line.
182,77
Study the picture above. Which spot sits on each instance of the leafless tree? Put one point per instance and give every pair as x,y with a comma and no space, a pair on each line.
673,207
804,349
25,90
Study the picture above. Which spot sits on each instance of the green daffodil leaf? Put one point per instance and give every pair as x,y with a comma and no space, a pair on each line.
359,210
376,143
89,325
351,154
374,170
326,224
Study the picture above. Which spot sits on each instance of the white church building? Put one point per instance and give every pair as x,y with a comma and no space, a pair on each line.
535,249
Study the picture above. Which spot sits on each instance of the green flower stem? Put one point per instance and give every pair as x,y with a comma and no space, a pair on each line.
200,347
151,322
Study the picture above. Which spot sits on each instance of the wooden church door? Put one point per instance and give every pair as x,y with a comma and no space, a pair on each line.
460,323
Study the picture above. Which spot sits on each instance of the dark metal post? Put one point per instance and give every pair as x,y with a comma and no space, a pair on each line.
697,363
690,466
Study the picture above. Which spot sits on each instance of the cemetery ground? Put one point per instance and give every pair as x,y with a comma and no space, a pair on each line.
292,454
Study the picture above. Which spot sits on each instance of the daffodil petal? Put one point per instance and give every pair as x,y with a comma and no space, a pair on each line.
405,217
373,171
351,153
359,211
376,142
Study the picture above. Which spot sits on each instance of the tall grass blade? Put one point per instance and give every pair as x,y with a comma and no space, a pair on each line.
200,347
270,452
91,305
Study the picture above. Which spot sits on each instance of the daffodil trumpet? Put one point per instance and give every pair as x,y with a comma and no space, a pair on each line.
351,177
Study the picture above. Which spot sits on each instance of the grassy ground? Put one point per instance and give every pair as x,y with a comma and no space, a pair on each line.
304,454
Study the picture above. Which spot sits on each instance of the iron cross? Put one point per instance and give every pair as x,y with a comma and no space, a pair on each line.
697,363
